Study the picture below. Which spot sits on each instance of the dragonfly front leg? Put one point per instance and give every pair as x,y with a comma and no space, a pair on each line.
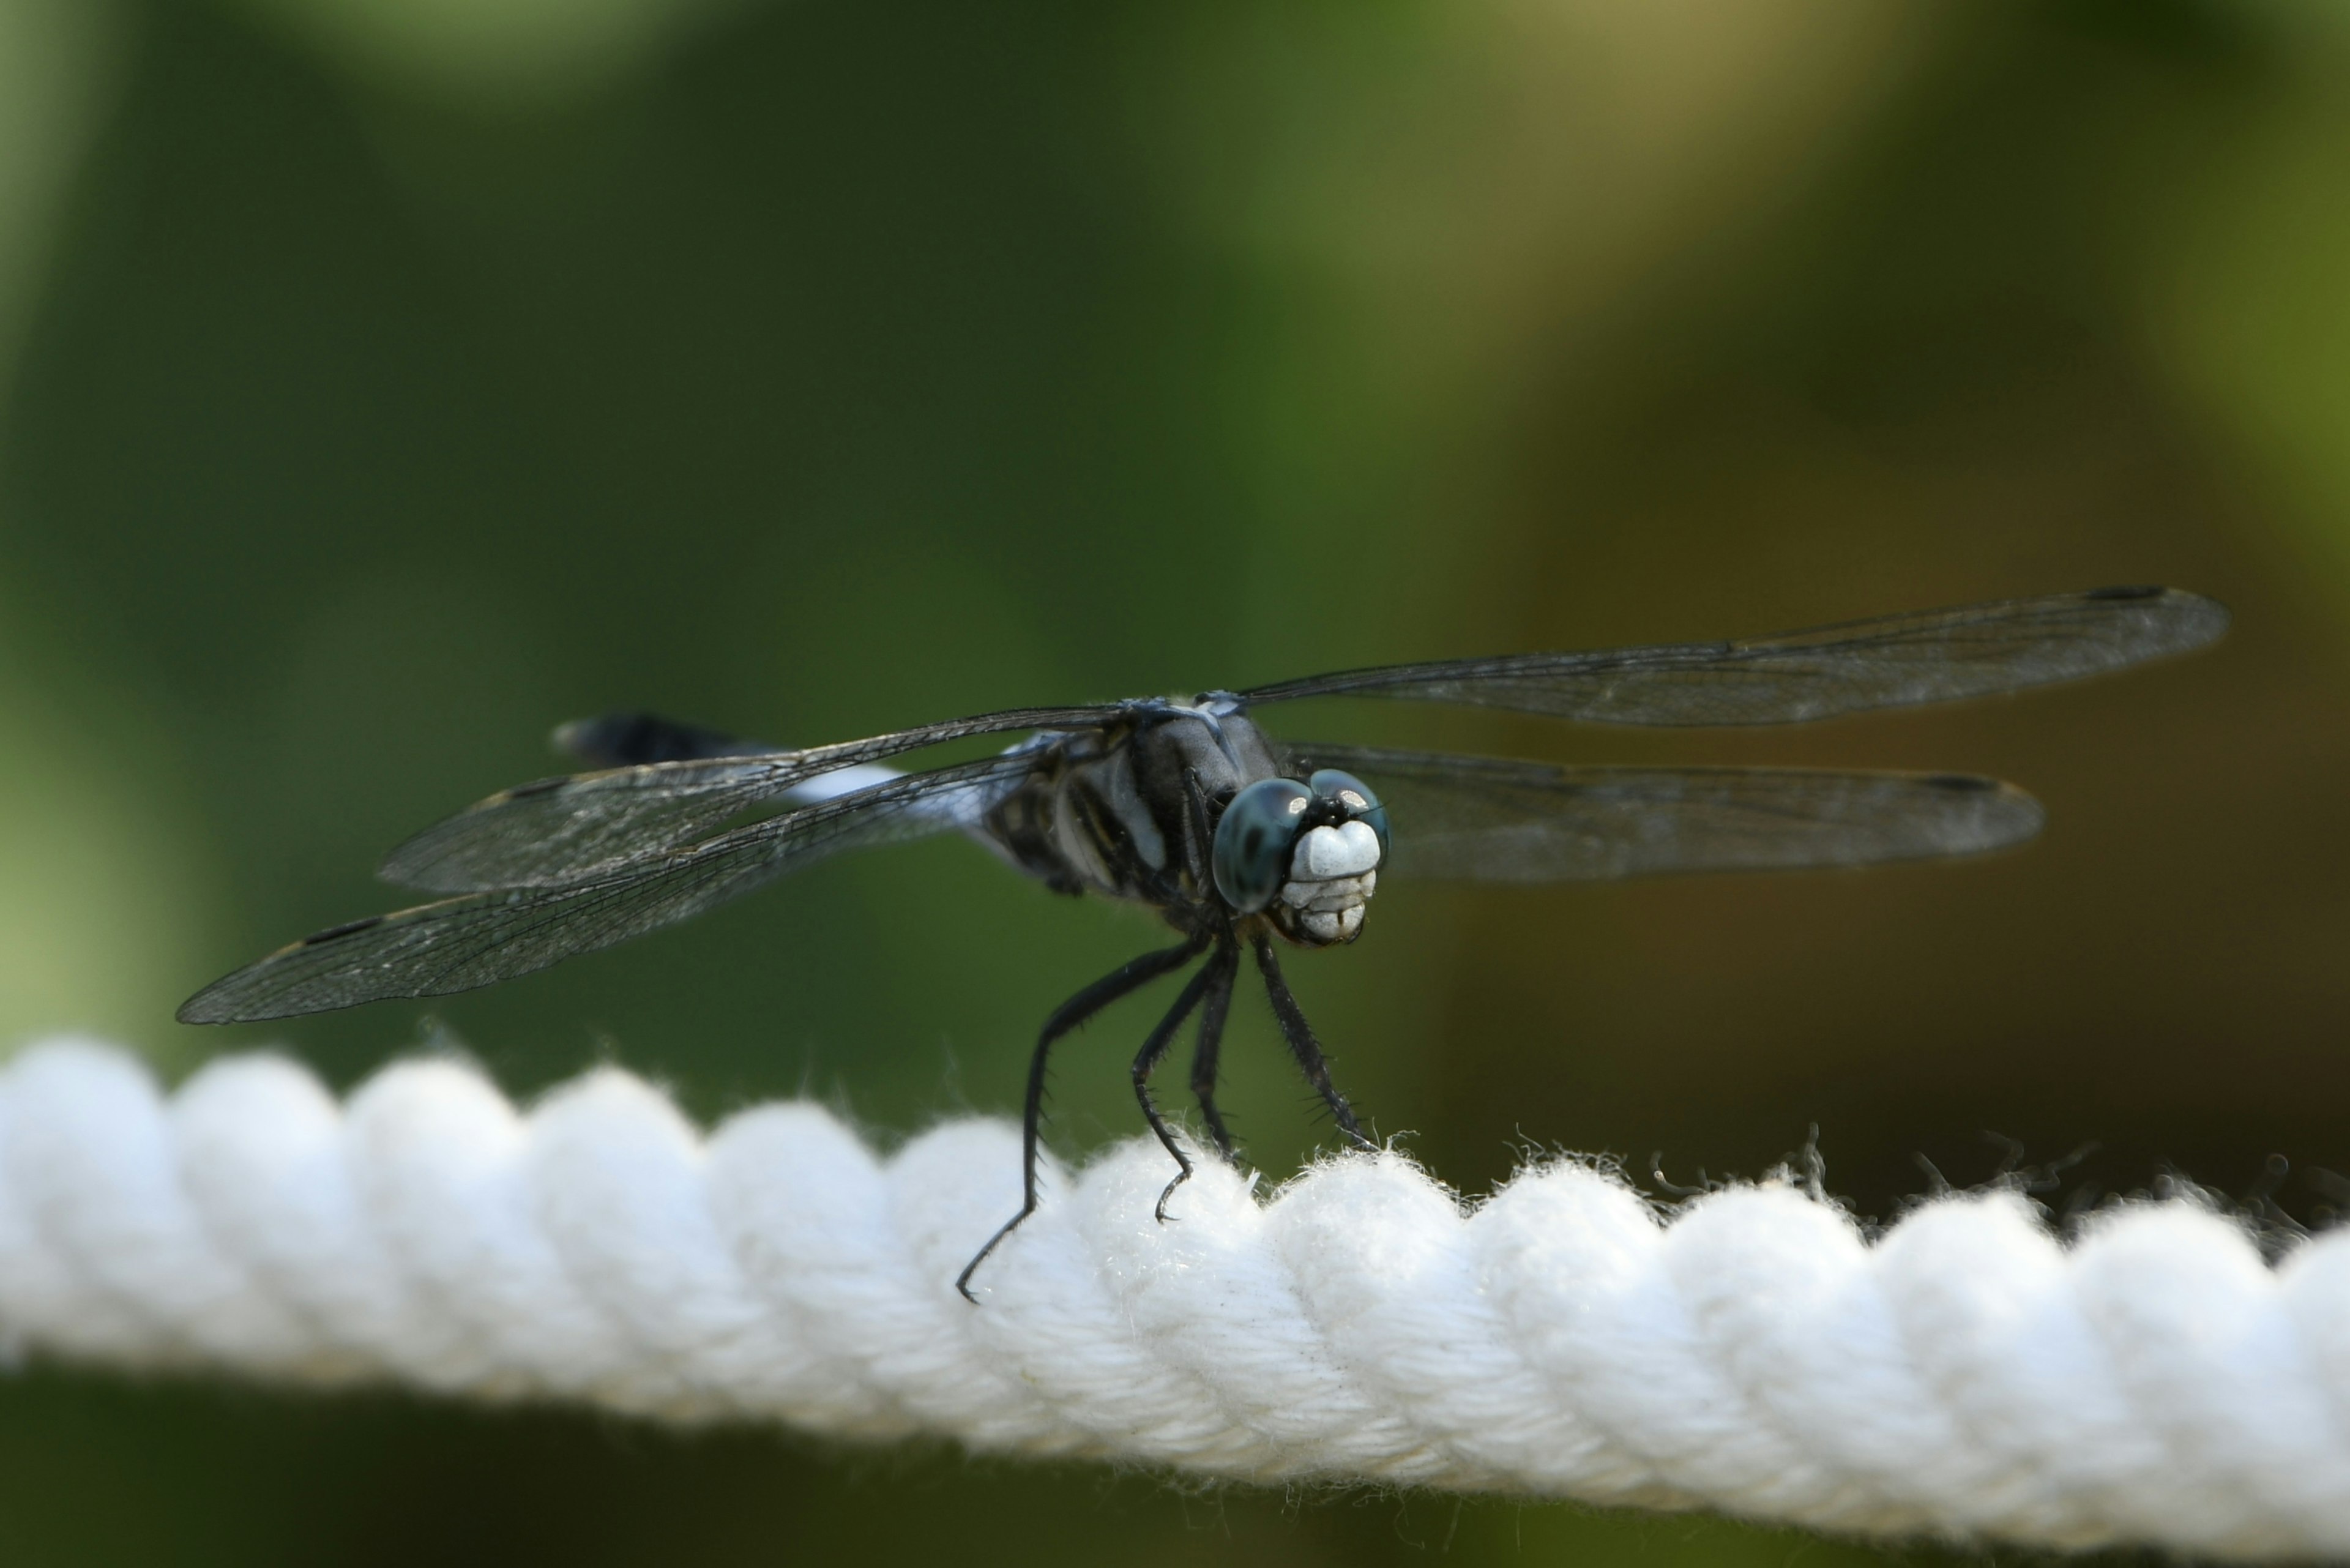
1121,981
1302,1046
1153,1048
1221,971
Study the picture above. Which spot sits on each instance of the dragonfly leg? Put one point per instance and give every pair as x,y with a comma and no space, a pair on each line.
1128,978
1302,1046
1153,1048
1222,969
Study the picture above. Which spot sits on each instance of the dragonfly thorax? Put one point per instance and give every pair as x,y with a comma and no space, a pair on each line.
1127,811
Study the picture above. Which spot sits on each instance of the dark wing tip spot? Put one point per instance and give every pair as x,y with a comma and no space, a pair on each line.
535,786
1960,783
347,929
2128,591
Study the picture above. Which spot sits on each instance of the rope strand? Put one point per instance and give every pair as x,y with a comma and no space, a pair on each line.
1966,1377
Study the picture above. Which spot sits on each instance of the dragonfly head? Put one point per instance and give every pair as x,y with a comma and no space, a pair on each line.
1306,854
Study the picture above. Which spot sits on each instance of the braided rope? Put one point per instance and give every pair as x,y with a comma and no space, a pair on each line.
1966,1375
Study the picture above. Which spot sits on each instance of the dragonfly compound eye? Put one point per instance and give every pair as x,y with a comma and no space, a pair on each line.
1355,798
1252,841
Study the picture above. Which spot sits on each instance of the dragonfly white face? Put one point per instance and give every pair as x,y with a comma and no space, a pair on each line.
1331,879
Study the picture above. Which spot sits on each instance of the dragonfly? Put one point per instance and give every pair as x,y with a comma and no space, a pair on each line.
1243,842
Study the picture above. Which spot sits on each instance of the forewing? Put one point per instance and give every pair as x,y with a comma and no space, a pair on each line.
1934,656
461,943
560,831
1489,819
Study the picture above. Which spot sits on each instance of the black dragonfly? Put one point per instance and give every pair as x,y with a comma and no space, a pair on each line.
1239,840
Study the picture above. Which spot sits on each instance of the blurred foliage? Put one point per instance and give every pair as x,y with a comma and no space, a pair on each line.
494,57
387,382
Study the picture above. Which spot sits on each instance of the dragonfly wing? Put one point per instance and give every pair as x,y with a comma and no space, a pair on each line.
625,739
1934,656
1490,819
481,938
559,830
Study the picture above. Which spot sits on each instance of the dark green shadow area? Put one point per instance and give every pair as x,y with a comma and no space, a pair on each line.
172,1474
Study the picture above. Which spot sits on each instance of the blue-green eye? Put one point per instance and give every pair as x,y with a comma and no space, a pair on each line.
1253,840
1356,795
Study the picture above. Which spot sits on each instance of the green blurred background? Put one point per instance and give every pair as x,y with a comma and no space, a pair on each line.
385,381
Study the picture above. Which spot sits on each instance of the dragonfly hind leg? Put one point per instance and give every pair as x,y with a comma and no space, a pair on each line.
1121,981
1303,1047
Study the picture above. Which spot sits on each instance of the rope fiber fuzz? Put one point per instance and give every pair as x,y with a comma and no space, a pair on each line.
1967,1375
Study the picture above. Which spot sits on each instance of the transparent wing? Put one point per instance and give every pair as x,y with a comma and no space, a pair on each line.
559,830
460,944
1934,656
1490,819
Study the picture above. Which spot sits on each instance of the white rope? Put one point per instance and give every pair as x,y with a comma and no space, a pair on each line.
1966,1375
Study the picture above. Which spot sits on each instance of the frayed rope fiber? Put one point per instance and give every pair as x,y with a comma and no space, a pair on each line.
1966,1375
